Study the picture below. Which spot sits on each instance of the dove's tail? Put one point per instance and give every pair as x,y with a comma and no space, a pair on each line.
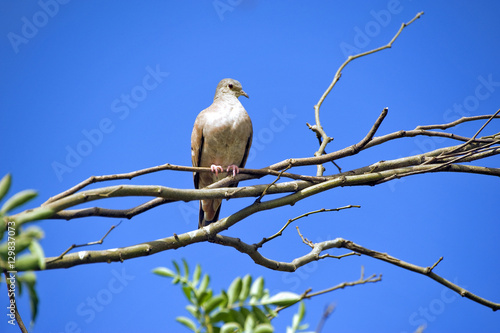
202,222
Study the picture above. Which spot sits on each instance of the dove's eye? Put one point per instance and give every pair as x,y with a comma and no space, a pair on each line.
230,86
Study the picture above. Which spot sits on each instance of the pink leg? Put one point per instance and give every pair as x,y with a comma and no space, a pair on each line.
235,169
216,168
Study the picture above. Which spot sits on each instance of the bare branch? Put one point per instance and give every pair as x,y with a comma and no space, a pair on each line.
279,233
362,280
168,166
370,175
86,244
105,212
326,314
337,76
271,170
274,182
427,271
454,123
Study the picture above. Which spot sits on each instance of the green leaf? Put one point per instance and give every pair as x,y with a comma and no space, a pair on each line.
17,200
187,322
222,315
163,271
22,241
194,311
188,293
237,317
33,301
257,289
203,297
230,328
34,232
303,327
35,214
29,279
224,304
20,284
234,290
213,302
5,185
297,318
285,298
245,289
260,315
204,284
264,328
302,310
196,275
186,269
37,251
27,262
270,312
245,312
177,268
249,323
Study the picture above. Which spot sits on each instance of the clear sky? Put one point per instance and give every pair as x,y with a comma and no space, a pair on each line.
94,88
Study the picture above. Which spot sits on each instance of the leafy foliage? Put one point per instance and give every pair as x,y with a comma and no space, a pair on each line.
245,307
14,239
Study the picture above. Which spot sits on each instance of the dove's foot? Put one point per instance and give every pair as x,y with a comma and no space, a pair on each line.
216,169
235,169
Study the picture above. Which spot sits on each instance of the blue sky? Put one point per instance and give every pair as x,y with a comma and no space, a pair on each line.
95,88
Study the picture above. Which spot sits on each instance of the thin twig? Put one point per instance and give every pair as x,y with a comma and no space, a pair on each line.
342,243
318,136
453,123
434,265
86,244
326,314
337,76
280,232
274,182
362,280
305,240
485,124
477,133
327,255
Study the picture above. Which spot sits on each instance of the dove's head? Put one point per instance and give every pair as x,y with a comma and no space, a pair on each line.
229,87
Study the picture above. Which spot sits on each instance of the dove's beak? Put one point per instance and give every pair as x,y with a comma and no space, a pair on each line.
244,94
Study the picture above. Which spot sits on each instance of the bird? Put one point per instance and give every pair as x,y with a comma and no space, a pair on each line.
221,139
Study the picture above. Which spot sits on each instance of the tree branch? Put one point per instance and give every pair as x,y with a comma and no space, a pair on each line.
325,138
438,160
